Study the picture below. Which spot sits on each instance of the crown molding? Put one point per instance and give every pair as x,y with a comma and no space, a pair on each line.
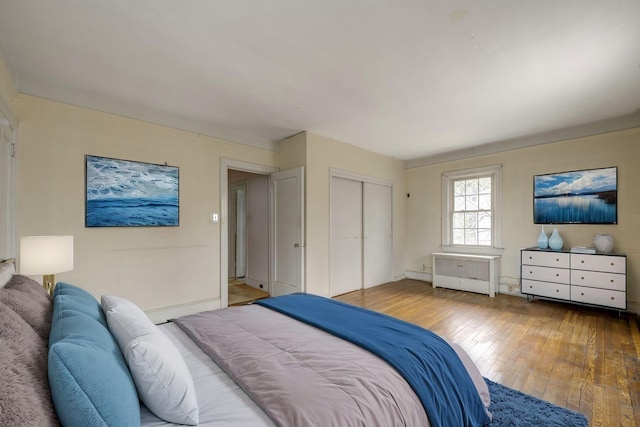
628,121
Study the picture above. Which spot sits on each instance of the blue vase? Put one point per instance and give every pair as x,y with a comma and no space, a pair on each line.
543,240
555,241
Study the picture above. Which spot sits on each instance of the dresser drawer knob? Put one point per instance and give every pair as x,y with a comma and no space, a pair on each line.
557,275
557,290
612,280
582,278
613,263
530,272
582,261
582,293
530,286
558,259
613,298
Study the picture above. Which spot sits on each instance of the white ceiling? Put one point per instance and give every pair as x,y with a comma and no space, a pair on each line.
405,78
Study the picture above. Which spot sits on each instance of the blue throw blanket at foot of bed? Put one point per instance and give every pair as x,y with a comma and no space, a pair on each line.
425,360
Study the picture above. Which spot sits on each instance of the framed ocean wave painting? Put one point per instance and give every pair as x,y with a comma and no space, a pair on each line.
576,197
125,193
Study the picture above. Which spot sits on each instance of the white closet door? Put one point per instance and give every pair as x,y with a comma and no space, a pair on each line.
378,242
346,236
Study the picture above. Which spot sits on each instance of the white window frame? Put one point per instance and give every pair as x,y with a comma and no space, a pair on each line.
448,178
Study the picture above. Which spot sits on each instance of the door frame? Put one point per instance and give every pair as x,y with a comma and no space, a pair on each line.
225,165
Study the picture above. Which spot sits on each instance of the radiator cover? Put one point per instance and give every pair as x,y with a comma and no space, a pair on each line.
466,272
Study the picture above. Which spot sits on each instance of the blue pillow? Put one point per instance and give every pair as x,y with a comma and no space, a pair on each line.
76,292
91,385
88,377
70,300
68,321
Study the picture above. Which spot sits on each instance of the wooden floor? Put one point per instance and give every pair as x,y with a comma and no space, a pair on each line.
241,293
579,358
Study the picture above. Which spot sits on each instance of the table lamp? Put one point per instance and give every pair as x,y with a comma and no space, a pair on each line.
46,256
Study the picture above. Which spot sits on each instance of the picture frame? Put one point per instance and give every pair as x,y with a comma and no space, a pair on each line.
588,196
127,193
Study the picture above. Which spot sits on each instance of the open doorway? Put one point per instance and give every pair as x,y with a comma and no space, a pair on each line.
248,237
285,216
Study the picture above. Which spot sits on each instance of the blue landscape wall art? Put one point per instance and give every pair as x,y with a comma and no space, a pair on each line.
123,193
577,197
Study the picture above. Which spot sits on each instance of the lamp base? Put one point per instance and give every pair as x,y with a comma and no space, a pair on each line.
49,282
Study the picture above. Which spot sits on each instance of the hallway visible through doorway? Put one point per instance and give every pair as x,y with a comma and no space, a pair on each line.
248,237
240,293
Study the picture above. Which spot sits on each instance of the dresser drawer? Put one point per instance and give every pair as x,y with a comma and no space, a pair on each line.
546,259
608,263
596,279
546,274
546,289
604,297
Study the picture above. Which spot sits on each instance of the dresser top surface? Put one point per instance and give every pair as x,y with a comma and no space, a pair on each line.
568,251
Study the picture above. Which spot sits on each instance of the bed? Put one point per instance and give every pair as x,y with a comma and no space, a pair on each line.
296,360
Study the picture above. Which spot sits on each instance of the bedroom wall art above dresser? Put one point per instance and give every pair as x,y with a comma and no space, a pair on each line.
594,279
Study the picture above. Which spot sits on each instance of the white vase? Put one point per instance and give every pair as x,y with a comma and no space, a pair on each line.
555,241
603,243
543,240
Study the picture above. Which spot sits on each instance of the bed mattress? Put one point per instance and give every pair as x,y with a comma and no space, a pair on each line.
221,402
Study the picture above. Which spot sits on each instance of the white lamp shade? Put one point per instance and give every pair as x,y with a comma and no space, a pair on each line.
46,254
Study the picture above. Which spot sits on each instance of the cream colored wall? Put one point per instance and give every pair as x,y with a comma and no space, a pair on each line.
293,151
322,154
621,149
156,267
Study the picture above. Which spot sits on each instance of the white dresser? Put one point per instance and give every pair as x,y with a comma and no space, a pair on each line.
596,279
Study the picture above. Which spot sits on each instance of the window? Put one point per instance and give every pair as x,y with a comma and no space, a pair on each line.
472,209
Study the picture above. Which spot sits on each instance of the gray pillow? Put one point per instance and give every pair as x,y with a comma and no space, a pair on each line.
26,399
30,301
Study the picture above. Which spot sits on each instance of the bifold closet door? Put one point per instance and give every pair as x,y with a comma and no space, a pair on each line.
377,242
346,236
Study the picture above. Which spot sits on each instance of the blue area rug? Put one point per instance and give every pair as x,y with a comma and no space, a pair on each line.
512,408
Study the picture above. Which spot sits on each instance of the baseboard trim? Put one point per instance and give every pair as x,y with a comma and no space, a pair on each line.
506,285
419,275
161,315
255,283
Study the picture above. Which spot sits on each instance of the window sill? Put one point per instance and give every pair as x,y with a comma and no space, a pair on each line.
476,250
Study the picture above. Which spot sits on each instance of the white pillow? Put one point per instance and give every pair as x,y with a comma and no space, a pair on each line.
7,270
159,372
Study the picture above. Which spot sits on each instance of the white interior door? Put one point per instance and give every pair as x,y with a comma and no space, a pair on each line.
287,270
346,236
378,242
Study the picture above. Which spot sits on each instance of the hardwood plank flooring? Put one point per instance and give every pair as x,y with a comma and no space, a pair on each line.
580,358
240,293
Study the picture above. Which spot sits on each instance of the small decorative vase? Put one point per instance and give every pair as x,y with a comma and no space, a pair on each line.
603,243
543,240
555,241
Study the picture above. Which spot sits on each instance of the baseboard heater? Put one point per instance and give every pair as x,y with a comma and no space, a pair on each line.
466,272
